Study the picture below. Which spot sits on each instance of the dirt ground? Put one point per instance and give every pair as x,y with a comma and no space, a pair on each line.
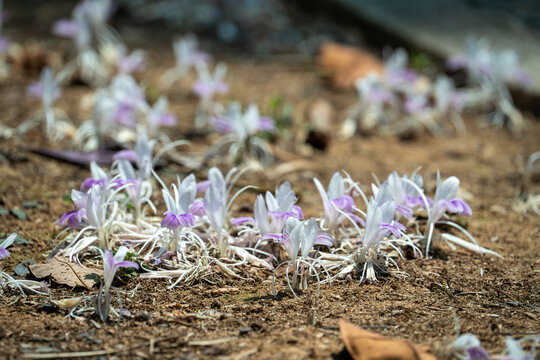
490,297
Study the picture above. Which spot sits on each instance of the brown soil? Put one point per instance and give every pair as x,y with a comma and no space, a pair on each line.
490,297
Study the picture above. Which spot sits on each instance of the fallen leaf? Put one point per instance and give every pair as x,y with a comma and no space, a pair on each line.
342,64
366,345
66,304
67,273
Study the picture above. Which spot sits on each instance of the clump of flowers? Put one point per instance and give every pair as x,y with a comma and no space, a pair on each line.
490,72
187,55
241,131
206,87
121,113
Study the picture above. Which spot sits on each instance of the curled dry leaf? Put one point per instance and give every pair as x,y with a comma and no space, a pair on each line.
62,271
66,304
342,64
366,345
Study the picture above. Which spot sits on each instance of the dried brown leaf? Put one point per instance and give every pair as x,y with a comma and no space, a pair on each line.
67,273
366,345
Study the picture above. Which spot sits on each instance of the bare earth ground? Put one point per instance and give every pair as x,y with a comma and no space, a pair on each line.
491,297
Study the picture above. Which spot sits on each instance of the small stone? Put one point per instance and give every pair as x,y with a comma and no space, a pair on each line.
30,204
21,241
19,214
21,270
143,315
245,330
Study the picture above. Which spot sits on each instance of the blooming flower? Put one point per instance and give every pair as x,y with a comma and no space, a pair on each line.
132,62
209,84
445,199
301,235
77,28
380,223
242,125
4,253
111,263
128,97
335,198
186,53
446,96
74,218
482,62
372,90
129,180
403,193
270,216
469,344
397,74
99,178
215,205
142,155
46,89
178,212
159,116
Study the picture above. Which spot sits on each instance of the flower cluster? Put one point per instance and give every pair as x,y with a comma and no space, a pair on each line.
401,100
489,74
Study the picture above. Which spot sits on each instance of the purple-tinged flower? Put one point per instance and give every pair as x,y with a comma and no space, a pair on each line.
4,253
335,199
197,208
270,216
456,62
446,96
380,223
477,353
159,116
66,28
111,263
128,179
178,208
209,84
300,236
77,28
126,114
99,178
469,344
47,88
95,207
72,218
187,54
215,205
416,103
142,155
128,64
397,73
445,199
401,192
202,186
242,125
373,91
